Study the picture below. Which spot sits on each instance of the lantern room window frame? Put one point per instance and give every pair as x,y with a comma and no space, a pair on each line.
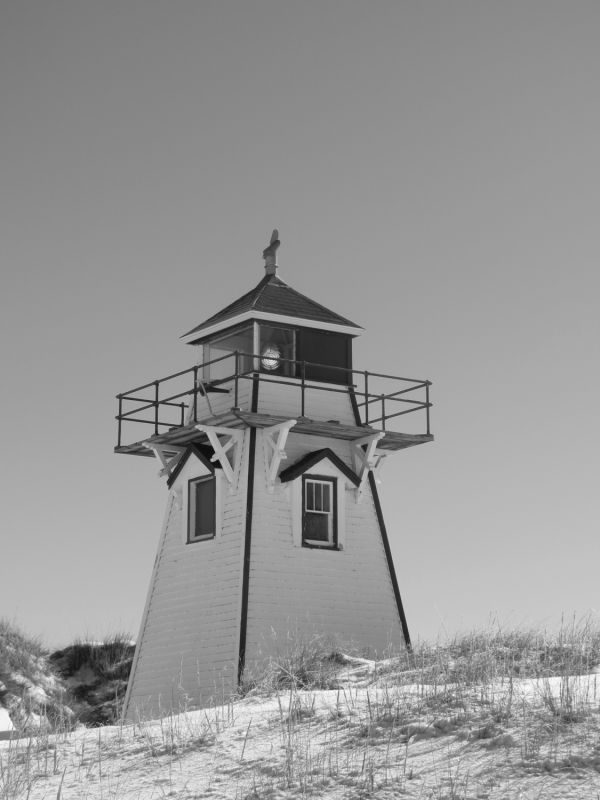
228,368
264,335
274,341
278,349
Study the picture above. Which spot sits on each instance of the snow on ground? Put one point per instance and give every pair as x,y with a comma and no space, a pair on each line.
5,721
529,739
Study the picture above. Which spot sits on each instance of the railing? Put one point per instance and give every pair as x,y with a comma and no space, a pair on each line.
175,401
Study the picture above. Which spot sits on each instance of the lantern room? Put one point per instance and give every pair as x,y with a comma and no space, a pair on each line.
291,335
273,352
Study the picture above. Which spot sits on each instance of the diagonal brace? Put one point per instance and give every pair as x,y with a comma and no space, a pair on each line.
233,440
367,457
168,455
276,438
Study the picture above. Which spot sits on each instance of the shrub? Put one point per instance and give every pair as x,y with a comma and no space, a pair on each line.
96,674
30,688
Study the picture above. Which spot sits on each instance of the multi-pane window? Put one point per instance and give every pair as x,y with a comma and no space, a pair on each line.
319,523
201,508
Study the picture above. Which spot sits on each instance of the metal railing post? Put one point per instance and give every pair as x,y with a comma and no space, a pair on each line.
119,418
196,393
155,407
144,399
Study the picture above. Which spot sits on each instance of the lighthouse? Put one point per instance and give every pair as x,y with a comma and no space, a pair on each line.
270,447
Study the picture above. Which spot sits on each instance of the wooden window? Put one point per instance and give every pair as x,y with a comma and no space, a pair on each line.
319,511
201,508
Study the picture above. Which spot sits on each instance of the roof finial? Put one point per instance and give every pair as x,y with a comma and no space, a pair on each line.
270,254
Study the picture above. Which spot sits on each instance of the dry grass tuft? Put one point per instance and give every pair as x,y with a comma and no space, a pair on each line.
301,664
495,715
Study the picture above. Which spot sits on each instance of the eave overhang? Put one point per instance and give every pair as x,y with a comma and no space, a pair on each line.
272,300
197,337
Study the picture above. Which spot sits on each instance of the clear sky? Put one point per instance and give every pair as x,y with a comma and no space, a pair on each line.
434,171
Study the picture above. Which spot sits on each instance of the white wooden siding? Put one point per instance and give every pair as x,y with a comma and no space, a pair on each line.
321,402
187,651
188,647
345,595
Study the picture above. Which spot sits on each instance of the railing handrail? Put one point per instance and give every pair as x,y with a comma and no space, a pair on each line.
417,382
328,387
364,396
174,375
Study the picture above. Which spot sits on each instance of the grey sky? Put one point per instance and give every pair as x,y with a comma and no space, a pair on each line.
434,171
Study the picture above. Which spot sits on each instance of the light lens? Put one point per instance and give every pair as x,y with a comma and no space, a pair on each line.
270,357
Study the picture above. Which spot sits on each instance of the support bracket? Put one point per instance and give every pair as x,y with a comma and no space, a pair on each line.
367,457
275,439
230,464
168,455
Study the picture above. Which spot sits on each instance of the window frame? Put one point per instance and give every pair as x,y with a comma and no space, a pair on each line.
332,543
213,342
191,501
287,366
320,369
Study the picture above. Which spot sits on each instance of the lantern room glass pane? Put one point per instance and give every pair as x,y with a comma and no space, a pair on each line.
277,350
327,356
240,339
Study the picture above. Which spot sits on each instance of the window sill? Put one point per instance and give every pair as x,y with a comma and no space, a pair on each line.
335,547
201,539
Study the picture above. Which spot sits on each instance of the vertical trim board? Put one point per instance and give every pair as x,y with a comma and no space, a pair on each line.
390,562
384,536
138,645
248,537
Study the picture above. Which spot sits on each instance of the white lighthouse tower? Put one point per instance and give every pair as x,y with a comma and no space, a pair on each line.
270,446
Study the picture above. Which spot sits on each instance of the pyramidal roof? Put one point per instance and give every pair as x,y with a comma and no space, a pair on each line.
270,299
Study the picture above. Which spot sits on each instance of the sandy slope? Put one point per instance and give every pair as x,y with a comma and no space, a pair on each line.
370,737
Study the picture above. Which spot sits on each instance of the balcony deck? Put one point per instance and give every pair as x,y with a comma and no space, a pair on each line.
183,435
179,402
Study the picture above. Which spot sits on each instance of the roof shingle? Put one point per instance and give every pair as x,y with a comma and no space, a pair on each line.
273,296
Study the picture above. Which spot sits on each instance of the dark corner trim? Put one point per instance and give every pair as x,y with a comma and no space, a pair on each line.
255,387
384,536
354,405
202,455
248,537
390,562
